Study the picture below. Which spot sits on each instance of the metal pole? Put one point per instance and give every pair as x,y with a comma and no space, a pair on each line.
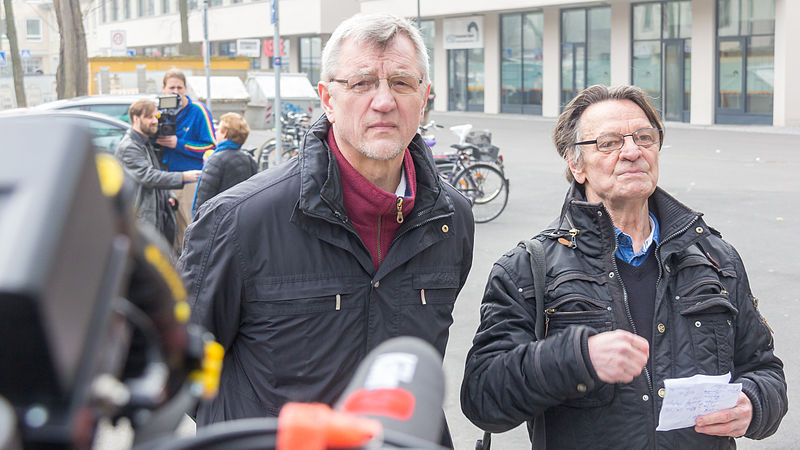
276,55
419,21
207,57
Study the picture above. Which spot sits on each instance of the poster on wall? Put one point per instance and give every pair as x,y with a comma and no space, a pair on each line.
463,32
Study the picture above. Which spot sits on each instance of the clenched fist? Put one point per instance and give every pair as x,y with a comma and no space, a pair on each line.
618,356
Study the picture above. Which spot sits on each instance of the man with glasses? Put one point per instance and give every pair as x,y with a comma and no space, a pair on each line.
637,289
303,269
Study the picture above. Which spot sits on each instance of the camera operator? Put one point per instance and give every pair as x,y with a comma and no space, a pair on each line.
193,137
154,202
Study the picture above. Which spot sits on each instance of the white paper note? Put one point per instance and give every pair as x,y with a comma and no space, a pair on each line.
686,399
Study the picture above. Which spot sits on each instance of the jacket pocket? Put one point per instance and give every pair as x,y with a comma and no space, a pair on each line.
287,323
710,318
426,309
575,310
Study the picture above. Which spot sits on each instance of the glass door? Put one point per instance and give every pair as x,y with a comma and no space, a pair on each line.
457,80
573,70
676,89
730,98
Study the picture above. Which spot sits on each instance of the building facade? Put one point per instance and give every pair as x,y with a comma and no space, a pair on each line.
703,61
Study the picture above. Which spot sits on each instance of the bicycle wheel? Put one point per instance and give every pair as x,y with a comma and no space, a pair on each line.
487,189
286,155
263,153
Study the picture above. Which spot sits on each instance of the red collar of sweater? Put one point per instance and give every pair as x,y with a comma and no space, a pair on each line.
371,210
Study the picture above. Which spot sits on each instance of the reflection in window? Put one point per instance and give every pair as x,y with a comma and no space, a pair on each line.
585,49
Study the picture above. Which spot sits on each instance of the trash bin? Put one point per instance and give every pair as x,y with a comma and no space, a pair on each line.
228,94
297,95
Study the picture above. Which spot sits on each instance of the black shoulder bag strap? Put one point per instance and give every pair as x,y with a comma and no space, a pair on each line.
535,250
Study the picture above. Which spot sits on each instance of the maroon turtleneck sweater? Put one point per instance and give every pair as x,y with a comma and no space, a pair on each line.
373,211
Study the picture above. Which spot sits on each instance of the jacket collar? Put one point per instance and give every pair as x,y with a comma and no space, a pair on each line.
595,230
321,188
138,138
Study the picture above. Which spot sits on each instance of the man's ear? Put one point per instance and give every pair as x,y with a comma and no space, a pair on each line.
577,171
424,103
326,100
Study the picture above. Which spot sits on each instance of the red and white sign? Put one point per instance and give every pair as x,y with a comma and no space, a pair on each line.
119,43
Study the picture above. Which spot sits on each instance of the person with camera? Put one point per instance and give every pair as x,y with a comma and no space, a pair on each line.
304,268
154,201
227,165
184,149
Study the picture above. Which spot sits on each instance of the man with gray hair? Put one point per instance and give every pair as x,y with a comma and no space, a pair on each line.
636,289
304,268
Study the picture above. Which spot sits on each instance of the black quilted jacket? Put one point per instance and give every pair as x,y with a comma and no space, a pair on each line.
226,167
705,321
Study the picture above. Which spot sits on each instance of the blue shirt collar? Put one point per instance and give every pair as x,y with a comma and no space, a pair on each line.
625,250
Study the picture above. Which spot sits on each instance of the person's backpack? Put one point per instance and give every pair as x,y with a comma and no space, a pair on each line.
535,250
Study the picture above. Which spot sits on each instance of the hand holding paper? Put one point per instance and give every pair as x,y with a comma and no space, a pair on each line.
687,399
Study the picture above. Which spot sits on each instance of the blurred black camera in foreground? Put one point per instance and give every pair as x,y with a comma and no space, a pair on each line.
168,107
94,324
93,317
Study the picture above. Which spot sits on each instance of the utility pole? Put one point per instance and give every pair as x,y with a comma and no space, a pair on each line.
419,20
207,57
276,63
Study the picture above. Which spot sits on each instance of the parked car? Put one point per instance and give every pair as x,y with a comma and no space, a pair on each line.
106,131
111,105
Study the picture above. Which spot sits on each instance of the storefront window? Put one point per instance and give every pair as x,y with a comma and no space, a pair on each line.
521,63
428,30
746,54
585,49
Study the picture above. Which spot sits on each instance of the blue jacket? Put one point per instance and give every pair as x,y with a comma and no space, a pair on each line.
194,129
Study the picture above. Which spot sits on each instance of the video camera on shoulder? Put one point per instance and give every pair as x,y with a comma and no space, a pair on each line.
168,106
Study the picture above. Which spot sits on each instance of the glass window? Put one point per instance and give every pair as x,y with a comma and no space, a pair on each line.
126,9
140,8
521,63
165,6
598,46
310,53
33,29
103,12
728,17
758,16
647,68
215,3
647,21
511,60
428,30
760,69
227,48
475,79
585,54
678,20
730,77
32,66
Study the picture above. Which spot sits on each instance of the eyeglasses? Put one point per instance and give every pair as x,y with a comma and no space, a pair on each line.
614,141
366,84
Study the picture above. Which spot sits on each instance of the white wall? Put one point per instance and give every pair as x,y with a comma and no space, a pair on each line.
703,62
551,62
787,64
620,43
491,63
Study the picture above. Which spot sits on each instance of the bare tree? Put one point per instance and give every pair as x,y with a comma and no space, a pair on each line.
185,47
72,76
16,62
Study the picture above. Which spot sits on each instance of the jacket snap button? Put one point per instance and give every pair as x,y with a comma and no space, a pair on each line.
600,213
645,397
445,228
661,392
666,267
611,275
661,329
581,387
377,283
697,324
699,230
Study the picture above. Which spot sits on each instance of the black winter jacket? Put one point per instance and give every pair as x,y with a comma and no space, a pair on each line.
226,167
705,321
277,272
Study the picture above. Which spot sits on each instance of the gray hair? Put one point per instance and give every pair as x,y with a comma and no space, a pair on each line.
377,30
567,130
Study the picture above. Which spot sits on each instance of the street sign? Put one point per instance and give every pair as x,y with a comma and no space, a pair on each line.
131,52
25,54
272,12
248,47
3,61
119,44
276,61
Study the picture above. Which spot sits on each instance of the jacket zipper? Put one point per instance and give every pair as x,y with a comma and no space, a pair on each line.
380,259
658,281
399,206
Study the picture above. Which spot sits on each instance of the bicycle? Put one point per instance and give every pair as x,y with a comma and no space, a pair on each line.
475,169
293,128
